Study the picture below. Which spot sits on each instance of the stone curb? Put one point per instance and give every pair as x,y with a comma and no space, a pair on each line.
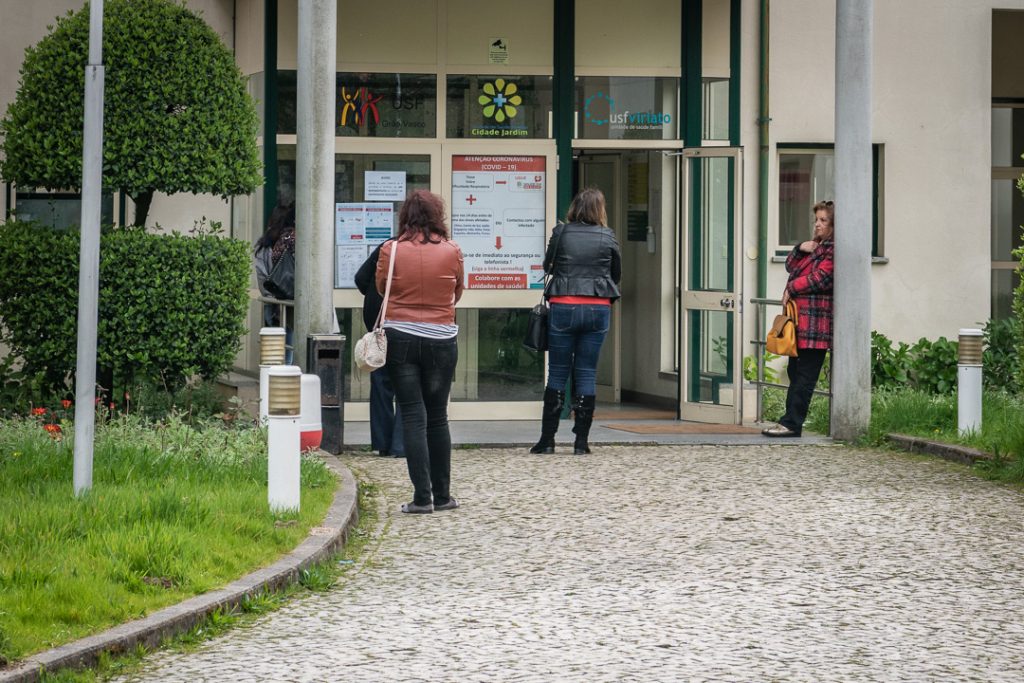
170,621
960,454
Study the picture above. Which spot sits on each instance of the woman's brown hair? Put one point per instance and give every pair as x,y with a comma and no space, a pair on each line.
829,207
422,214
281,218
588,207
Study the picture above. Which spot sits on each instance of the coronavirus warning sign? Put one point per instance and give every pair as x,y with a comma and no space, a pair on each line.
498,210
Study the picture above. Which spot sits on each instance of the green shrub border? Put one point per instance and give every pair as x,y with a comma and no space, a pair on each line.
171,306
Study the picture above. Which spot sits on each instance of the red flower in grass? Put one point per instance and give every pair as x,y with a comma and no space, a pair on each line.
65,404
39,411
53,429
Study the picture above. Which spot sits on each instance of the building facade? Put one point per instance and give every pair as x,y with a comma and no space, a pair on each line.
707,123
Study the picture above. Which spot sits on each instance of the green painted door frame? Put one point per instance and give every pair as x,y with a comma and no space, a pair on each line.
269,108
691,131
692,84
563,97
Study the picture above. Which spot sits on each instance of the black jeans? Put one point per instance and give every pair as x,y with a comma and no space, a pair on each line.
421,371
803,374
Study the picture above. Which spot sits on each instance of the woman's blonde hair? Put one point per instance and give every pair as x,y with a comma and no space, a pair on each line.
588,207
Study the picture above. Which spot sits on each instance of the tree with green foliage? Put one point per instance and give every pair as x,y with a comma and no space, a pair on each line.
177,117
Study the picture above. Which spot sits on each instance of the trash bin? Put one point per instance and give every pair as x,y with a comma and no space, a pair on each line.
325,354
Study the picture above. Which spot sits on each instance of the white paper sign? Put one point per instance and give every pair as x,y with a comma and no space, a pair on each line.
497,50
498,210
358,228
384,186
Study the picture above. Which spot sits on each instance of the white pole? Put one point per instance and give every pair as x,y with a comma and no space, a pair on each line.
283,438
969,381
89,255
314,192
851,364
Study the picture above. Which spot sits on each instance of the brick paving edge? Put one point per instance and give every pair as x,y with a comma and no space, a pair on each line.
961,454
151,631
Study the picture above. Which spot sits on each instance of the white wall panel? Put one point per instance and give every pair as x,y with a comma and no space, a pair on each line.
526,26
639,34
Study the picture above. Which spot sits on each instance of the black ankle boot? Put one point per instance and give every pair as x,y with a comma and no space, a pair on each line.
583,408
554,400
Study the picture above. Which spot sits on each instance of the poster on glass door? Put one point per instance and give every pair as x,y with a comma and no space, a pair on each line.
358,228
498,209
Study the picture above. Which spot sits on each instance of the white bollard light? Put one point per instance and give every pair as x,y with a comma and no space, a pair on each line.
283,416
272,350
968,381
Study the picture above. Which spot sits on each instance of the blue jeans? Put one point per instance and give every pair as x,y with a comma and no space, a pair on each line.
421,370
575,335
385,418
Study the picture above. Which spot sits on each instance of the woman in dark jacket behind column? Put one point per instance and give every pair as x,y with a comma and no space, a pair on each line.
585,265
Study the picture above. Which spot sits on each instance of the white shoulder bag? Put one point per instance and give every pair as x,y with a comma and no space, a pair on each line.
371,351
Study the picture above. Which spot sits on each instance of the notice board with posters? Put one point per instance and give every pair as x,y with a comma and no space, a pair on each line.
358,228
498,210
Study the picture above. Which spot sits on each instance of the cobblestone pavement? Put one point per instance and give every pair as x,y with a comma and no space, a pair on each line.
764,563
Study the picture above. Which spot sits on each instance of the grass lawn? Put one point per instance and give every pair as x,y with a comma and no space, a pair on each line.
174,511
933,416
906,411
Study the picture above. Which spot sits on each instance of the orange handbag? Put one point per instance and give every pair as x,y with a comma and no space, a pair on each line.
782,335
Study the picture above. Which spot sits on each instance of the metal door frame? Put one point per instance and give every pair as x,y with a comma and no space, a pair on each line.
730,300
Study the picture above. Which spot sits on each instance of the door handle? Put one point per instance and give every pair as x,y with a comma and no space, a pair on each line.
727,303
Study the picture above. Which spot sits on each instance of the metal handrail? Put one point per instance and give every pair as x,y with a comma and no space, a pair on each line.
281,304
759,342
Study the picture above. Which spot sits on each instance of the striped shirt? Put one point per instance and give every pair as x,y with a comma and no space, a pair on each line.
426,330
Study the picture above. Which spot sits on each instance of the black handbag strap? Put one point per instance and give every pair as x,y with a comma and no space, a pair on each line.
554,255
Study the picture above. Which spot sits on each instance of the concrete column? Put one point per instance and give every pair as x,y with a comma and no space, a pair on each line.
851,363
314,191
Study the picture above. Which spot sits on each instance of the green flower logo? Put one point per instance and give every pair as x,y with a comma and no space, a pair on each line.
500,100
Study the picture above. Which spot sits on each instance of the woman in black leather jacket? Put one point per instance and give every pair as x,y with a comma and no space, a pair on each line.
585,266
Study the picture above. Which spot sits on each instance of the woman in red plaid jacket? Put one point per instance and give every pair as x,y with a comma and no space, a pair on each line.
810,267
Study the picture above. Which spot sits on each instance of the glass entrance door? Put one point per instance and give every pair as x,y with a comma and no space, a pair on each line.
603,171
712,379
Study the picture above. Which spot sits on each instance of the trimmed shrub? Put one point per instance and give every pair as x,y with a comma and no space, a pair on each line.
1001,359
1018,306
176,114
934,365
170,306
890,365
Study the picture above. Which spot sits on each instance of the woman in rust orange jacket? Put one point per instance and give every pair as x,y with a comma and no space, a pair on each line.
810,266
422,352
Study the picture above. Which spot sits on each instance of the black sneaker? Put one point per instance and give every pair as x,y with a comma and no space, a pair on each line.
779,431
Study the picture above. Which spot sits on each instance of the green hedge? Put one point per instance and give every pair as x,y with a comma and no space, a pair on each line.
1018,305
170,306
931,366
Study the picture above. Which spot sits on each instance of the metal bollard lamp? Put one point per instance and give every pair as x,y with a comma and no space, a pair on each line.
968,381
272,352
283,436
